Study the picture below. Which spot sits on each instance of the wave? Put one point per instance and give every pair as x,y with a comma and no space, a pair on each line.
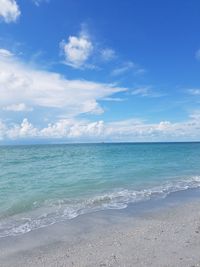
57,211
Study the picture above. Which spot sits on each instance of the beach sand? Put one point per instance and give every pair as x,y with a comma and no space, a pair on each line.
160,236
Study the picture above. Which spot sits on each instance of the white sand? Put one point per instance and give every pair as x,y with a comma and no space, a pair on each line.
160,238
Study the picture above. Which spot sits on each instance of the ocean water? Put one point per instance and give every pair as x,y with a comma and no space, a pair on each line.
44,184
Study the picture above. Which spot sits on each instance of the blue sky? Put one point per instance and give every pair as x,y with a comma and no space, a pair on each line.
81,71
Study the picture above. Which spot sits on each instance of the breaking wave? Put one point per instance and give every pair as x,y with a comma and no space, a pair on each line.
56,211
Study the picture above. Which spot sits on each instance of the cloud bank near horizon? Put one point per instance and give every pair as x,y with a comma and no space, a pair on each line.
132,130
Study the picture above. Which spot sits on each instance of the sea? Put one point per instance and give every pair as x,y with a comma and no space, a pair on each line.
41,185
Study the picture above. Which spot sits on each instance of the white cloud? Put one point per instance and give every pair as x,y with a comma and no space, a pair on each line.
18,107
146,91
195,116
77,50
73,129
114,99
23,130
9,10
108,54
21,83
142,91
127,130
127,66
5,53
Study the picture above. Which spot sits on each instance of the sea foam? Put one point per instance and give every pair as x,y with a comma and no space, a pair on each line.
117,199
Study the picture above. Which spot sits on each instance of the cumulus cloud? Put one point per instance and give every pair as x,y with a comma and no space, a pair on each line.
77,50
132,130
9,10
21,83
17,131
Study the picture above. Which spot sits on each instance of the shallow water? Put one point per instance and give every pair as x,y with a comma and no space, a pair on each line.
43,184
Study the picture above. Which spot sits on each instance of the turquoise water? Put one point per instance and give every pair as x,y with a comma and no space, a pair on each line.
44,184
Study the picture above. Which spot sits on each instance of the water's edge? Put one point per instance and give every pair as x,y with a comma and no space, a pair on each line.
134,201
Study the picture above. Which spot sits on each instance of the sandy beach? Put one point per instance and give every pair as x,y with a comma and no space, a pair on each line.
167,234
99,133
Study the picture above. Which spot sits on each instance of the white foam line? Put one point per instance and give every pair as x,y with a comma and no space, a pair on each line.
119,199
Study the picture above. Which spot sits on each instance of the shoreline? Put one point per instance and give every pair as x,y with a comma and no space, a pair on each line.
128,199
158,233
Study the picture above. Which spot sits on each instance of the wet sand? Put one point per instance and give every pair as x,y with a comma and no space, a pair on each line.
164,235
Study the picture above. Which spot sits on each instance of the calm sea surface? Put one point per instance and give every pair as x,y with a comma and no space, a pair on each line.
41,185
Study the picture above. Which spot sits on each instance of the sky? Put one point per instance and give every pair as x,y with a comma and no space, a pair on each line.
99,71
